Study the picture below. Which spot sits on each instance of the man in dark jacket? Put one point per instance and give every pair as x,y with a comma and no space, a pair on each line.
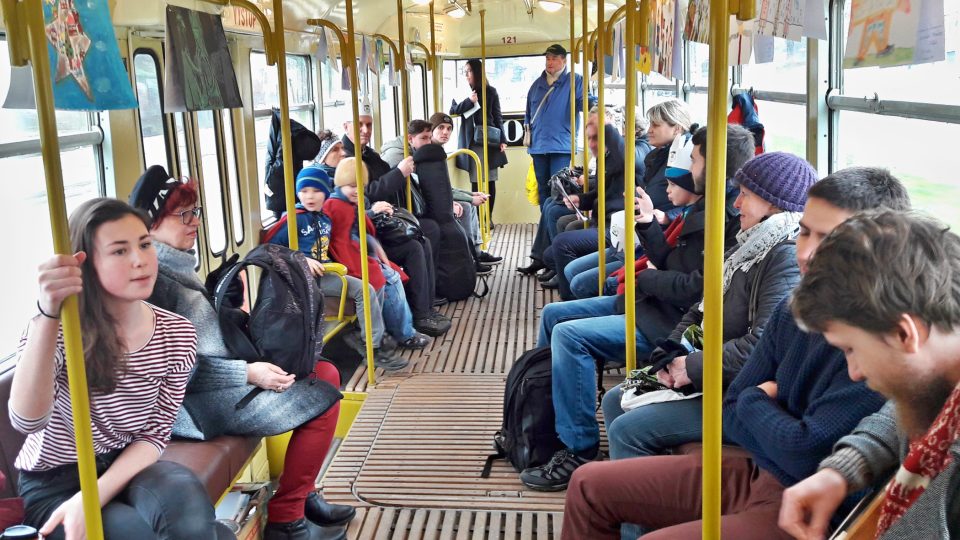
789,404
756,276
305,145
416,258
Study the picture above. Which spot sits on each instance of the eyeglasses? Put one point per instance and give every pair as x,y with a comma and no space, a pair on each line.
187,215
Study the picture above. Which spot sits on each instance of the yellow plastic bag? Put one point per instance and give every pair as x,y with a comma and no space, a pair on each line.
533,192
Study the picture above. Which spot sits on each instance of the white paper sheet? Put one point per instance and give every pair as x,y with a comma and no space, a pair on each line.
815,20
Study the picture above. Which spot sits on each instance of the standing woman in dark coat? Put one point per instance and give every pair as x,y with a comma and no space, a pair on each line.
468,126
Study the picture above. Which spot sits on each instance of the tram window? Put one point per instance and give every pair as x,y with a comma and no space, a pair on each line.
787,72
388,111
418,86
921,157
698,107
181,136
785,127
212,192
699,60
511,77
26,212
152,128
929,83
233,179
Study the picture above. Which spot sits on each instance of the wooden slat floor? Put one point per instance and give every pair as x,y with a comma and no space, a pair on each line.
412,460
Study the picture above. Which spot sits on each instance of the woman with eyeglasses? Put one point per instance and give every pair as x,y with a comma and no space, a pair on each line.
471,128
212,405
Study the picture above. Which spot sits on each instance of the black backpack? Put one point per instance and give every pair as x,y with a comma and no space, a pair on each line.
527,437
285,326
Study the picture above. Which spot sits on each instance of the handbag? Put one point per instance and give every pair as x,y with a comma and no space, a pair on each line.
493,136
396,229
417,201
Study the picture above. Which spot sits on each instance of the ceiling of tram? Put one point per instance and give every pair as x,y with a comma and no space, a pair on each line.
519,21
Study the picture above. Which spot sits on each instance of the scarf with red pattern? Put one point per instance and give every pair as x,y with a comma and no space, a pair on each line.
672,234
927,457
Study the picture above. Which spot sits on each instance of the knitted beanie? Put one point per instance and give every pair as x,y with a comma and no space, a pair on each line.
151,191
346,174
315,177
438,118
779,178
325,147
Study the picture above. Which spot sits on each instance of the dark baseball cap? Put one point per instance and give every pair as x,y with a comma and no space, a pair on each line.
556,49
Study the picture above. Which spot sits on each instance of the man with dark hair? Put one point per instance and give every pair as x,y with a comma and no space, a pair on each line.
885,289
787,406
739,150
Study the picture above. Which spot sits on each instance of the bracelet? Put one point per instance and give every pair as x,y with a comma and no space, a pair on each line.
45,314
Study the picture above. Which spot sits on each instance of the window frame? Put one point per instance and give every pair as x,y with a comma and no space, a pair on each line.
165,118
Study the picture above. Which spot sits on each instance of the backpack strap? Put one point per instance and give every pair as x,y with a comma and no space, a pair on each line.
268,234
239,340
501,454
486,287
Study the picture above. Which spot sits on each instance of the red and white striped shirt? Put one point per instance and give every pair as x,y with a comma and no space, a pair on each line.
141,408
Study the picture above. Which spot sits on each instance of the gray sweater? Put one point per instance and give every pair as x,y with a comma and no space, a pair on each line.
219,380
874,452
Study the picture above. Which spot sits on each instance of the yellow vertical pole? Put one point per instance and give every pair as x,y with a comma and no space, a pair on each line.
434,64
289,185
713,264
350,62
27,16
629,179
573,91
484,180
404,96
585,59
601,149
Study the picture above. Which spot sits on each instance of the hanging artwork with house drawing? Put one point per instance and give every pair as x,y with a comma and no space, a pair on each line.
894,32
88,74
780,18
697,27
664,18
198,74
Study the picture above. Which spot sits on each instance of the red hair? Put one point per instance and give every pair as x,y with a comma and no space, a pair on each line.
185,194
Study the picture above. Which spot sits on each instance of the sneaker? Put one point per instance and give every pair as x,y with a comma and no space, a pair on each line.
433,325
440,317
555,474
353,339
389,361
484,269
418,341
388,344
487,258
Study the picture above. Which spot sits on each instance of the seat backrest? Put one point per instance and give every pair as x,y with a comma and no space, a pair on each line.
10,439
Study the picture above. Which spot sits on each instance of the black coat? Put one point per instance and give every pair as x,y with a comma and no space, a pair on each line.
475,122
614,172
664,294
305,145
774,278
655,178
386,183
434,180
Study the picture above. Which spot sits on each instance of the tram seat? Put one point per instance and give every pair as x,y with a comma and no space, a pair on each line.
217,462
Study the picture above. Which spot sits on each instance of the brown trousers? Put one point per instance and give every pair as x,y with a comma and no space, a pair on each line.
662,494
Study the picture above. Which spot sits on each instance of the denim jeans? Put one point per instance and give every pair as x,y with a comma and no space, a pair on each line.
651,429
568,247
580,333
583,274
397,318
545,166
331,285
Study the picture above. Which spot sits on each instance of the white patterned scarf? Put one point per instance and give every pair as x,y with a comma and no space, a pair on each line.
754,243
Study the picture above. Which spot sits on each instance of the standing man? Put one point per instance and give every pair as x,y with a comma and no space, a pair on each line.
547,118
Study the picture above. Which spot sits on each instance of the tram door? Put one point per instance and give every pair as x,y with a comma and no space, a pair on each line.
198,145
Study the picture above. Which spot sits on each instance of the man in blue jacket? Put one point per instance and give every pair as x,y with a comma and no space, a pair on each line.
547,117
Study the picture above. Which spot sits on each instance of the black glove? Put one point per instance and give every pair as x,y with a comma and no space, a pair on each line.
666,351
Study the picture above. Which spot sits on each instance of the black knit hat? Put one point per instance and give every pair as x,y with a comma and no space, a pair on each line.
556,50
151,191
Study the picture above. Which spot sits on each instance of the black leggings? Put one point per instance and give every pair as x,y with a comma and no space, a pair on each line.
163,501
416,258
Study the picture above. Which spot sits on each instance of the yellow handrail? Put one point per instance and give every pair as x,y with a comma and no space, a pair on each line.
484,211
361,198
585,60
601,149
629,180
28,43
713,264
484,180
620,13
434,72
573,91
349,58
404,98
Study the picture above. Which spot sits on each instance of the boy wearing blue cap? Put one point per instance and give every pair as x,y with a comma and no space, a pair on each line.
313,231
